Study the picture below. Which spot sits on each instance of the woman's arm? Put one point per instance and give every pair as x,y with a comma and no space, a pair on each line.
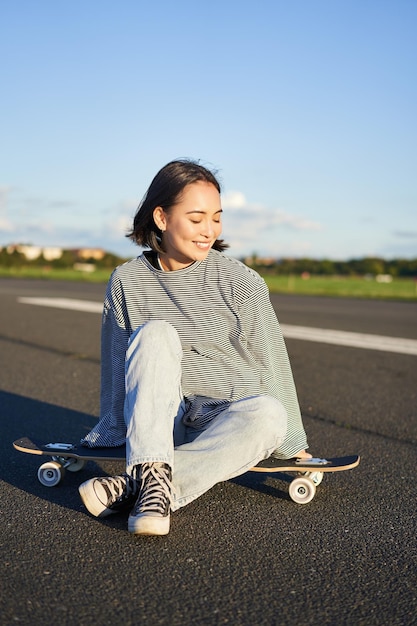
111,429
266,343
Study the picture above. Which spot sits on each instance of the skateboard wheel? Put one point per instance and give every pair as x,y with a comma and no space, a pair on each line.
50,474
302,490
76,466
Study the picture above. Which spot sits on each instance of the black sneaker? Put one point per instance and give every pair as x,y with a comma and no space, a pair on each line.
150,515
111,494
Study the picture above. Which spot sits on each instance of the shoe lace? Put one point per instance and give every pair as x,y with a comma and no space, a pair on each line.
119,487
156,488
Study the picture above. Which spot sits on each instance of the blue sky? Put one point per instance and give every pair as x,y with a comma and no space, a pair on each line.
306,109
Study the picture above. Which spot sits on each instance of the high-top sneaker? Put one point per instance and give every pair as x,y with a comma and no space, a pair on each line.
150,515
111,494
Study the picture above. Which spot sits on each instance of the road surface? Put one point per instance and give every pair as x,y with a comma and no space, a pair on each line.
243,553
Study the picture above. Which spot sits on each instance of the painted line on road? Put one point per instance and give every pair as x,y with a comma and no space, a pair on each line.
65,303
304,333
352,340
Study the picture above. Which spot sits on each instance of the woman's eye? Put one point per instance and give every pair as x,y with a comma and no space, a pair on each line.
216,221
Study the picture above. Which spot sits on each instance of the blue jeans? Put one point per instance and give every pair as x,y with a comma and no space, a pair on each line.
243,433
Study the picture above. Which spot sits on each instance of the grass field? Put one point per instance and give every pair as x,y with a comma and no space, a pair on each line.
344,286
98,276
335,286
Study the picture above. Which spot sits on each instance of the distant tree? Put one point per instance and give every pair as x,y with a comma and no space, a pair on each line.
109,261
327,267
12,259
67,259
403,267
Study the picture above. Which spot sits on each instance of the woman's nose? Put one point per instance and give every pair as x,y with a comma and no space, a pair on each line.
207,229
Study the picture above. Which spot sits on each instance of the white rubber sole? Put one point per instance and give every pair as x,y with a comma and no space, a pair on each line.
148,525
92,504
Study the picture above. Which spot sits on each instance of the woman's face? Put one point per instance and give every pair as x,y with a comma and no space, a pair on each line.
190,227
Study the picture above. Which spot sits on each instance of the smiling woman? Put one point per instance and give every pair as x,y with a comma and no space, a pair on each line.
195,374
166,191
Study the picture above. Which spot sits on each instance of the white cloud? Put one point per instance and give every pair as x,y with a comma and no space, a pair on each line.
234,200
247,227
115,229
119,219
250,227
279,218
4,194
6,225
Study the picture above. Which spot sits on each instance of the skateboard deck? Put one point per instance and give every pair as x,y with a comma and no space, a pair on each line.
309,472
73,456
65,456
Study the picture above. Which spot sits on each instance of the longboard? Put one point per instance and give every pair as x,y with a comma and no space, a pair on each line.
72,457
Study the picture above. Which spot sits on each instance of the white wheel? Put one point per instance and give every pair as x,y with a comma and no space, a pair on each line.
302,490
76,465
50,474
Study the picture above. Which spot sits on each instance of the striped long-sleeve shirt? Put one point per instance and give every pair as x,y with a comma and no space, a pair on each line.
231,339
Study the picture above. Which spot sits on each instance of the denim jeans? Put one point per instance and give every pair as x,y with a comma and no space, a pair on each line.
243,433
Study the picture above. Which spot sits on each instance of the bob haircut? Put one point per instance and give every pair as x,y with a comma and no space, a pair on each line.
165,191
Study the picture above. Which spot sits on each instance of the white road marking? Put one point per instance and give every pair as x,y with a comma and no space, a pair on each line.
69,304
320,335
352,340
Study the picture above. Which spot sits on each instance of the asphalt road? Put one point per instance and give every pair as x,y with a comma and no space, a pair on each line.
243,553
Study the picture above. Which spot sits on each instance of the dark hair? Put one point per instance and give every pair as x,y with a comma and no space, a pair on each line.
165,191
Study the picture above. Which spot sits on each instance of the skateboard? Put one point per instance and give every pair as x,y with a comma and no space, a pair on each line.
65,456
309,472
73,457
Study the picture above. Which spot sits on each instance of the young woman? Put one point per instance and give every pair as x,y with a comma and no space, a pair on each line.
195,374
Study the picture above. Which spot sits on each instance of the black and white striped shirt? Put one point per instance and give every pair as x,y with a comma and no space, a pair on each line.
232,343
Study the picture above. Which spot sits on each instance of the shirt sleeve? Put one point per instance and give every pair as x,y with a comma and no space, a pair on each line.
267,345
115,332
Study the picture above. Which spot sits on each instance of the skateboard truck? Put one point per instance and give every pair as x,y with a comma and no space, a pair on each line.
52,472
313,461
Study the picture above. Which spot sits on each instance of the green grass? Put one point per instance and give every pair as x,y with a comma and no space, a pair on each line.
344,286
337,286
98,276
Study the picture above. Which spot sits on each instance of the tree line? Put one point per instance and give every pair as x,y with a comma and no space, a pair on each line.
66,260
371,266
367,266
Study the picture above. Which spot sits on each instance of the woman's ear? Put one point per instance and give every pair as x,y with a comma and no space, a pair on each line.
159,218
